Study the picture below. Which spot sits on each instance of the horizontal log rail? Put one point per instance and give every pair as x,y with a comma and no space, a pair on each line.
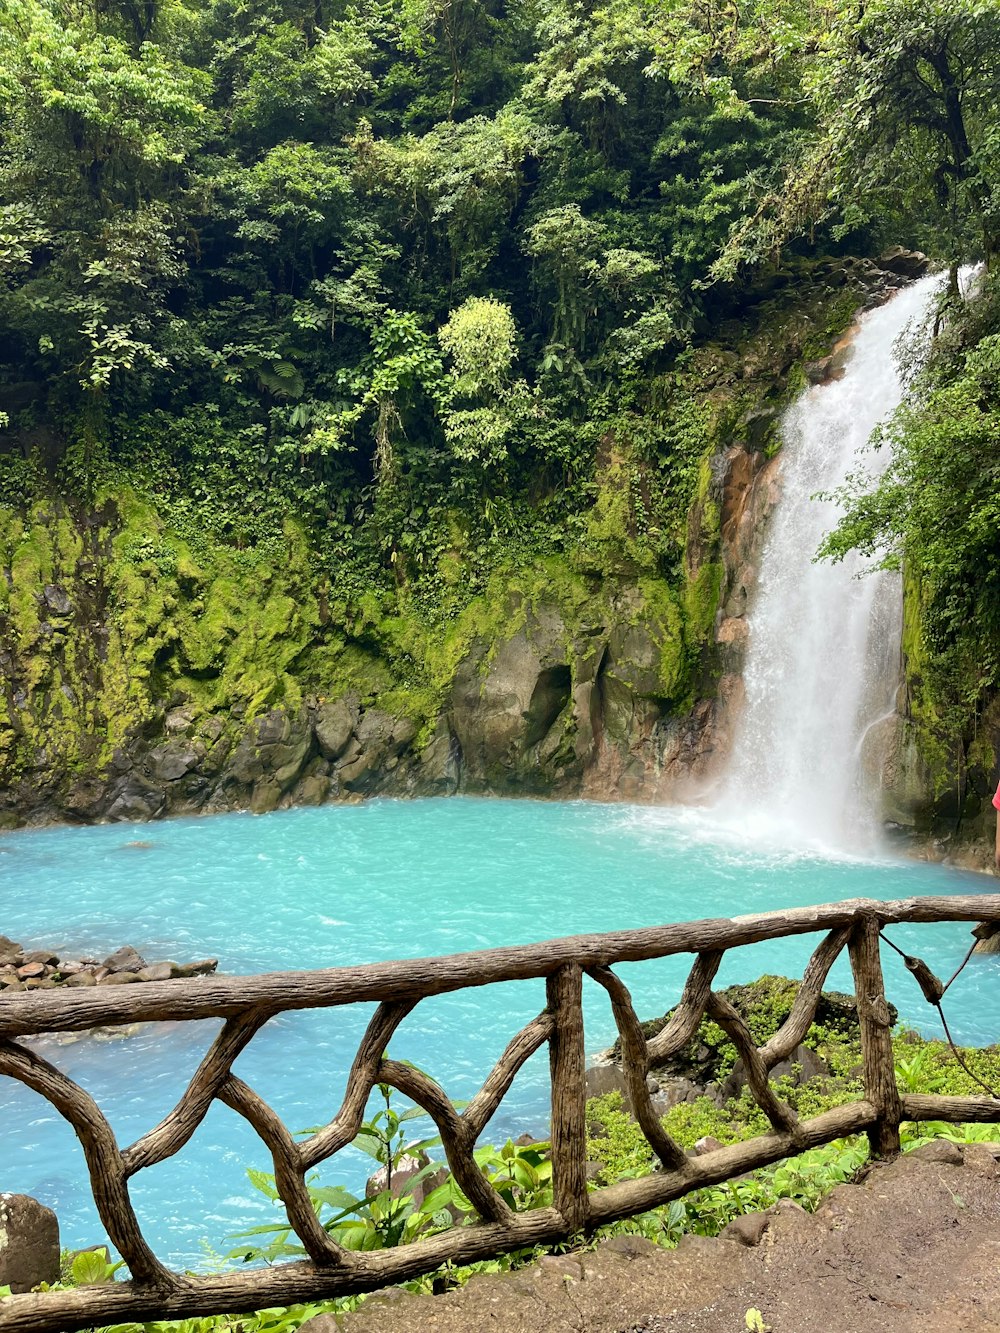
565,965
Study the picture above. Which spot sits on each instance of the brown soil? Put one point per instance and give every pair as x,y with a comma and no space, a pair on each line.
913,1248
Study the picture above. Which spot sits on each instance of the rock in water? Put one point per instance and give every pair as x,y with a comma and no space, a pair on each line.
907,263
987,935
125,959
29,1243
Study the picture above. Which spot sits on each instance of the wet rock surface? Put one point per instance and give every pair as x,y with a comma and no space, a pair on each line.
913,1246
29,1243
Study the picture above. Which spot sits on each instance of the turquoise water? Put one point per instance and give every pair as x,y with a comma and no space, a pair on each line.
354,884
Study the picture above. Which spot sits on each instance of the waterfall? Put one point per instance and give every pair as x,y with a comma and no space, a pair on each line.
823,657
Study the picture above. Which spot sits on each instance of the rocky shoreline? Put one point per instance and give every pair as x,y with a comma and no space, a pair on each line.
23,969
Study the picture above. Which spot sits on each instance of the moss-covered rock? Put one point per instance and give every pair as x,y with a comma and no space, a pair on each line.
764,1004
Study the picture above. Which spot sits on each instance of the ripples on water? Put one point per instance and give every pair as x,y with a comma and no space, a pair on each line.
354,884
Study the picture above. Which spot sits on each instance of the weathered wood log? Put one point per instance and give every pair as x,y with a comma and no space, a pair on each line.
728,1018
629,1197
567,1060
360,1081
521,1048
281,1285
224,997
289,1176
176,1128
635,1067
456,1138
954,1110
683,1022
876,1037
798,1022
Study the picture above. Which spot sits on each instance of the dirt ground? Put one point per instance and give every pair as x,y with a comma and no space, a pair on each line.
912,1248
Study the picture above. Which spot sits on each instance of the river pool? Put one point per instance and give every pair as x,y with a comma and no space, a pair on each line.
338,885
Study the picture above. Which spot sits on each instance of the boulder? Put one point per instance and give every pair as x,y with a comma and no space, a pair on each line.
907,263
173,760
199,969
440,761
706,1144
245,764
265,798
155,972
941,1151
508,697
819,372
125,959
380,739
179,720
758,427
802,1065
215,758
987,943
29,1243
747,1230
136,799
57,600
602,1079
287,760
403,1179
273,728
673,1091
90,1266
334,727
313,789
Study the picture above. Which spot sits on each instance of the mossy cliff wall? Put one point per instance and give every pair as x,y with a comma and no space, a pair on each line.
147,673
935,759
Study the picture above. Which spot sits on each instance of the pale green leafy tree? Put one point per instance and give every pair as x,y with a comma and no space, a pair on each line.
485,402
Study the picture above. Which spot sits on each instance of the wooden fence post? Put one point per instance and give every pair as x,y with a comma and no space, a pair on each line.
567,1057
876,1038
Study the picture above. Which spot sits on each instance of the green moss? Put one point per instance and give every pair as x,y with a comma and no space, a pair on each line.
221,632
701,602
928,712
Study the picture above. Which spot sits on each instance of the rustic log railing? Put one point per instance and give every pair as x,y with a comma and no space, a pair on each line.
246,1003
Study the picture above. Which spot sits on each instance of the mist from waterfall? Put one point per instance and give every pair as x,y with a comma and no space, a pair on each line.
823,660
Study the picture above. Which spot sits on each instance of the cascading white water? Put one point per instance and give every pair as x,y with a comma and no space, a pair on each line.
824,644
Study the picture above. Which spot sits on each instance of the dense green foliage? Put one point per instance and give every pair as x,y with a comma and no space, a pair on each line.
398,268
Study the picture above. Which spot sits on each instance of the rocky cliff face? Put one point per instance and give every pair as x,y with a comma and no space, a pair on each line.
145,675
937,780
